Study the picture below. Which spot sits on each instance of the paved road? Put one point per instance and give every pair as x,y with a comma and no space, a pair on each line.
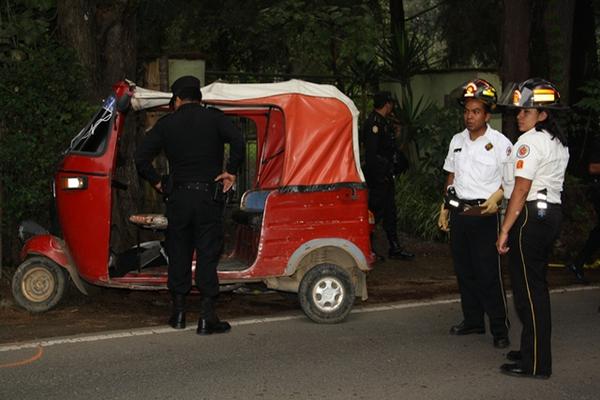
401,351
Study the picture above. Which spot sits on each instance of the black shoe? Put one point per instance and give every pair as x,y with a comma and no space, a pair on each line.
513,355
578,271
501,342
177,319
400,254
206,327
462,329
517,370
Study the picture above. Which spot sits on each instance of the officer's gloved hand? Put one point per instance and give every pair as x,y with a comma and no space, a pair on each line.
490,206
444,218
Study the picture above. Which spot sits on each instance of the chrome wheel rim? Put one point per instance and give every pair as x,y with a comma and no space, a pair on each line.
328,294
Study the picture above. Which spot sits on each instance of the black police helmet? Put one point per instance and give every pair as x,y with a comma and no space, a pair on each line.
380,98
186,88
479,89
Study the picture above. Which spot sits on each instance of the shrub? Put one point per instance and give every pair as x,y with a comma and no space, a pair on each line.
418,191
41,99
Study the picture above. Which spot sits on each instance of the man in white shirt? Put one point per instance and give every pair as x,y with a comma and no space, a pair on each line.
474,164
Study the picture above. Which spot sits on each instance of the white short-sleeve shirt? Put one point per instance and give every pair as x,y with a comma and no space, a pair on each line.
477,164
543,161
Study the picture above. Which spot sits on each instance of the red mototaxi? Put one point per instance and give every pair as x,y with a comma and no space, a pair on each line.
302,224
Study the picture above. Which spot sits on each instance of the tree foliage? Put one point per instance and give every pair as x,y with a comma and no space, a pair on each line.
40,98
471,30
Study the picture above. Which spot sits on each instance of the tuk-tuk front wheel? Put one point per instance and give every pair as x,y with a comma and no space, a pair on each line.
38,284
326,294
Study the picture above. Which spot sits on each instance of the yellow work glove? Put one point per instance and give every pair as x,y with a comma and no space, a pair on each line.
490,206
443,219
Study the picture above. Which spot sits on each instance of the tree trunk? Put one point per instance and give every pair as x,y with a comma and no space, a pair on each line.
76,28
103,35
515,52
399,40
116,38
584,56
558,21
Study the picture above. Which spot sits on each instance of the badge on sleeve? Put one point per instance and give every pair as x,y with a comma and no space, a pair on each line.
523,151
375,129
489,146
520,164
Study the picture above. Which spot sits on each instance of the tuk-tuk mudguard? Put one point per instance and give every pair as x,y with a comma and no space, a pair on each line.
54,248
328,250
339,250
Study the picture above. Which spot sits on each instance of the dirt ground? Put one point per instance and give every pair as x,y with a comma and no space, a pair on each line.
429,275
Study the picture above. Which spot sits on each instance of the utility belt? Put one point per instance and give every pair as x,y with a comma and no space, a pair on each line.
541,205
215,188
453,202
204,186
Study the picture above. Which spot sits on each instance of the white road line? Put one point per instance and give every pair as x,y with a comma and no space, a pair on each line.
164,330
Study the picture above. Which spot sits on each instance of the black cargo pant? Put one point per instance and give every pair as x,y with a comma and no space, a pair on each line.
382,203
478,271
530,242
195,223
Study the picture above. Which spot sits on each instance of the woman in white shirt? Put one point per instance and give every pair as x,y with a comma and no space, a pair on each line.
532,221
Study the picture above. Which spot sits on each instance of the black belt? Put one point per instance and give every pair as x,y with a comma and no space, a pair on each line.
206,186
475,202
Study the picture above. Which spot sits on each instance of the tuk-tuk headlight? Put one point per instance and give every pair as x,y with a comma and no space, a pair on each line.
74,183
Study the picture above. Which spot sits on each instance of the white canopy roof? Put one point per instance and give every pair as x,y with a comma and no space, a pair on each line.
231,92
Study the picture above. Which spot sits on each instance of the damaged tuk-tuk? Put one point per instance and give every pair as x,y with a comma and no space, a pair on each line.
300,223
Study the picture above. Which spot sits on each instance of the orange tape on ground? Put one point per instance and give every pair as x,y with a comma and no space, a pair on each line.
36,357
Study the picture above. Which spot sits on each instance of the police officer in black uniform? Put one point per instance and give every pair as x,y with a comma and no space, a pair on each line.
592,244
383,161
192,138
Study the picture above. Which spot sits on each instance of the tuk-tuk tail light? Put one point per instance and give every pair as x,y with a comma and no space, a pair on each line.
371,218
74,183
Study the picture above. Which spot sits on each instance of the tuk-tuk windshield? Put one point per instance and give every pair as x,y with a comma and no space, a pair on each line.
92,138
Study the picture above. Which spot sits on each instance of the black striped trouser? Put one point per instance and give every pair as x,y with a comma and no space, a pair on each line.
478,272
530,241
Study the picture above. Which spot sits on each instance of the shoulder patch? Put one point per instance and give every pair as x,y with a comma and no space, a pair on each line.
523,151
375,129
520,164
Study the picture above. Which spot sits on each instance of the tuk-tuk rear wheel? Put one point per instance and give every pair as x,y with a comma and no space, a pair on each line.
326,293
38,284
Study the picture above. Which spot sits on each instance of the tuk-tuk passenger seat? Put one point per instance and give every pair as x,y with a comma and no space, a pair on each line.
251,208
150,221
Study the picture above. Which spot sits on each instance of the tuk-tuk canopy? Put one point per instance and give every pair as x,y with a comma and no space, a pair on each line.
320,127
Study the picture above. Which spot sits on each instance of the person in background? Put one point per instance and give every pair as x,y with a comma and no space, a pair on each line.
383,161
192,138
532,221
592,244
474,166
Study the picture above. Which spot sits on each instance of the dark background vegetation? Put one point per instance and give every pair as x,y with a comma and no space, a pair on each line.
58,58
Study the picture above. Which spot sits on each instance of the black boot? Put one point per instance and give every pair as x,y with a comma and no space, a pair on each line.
177,320
398,253
209,322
